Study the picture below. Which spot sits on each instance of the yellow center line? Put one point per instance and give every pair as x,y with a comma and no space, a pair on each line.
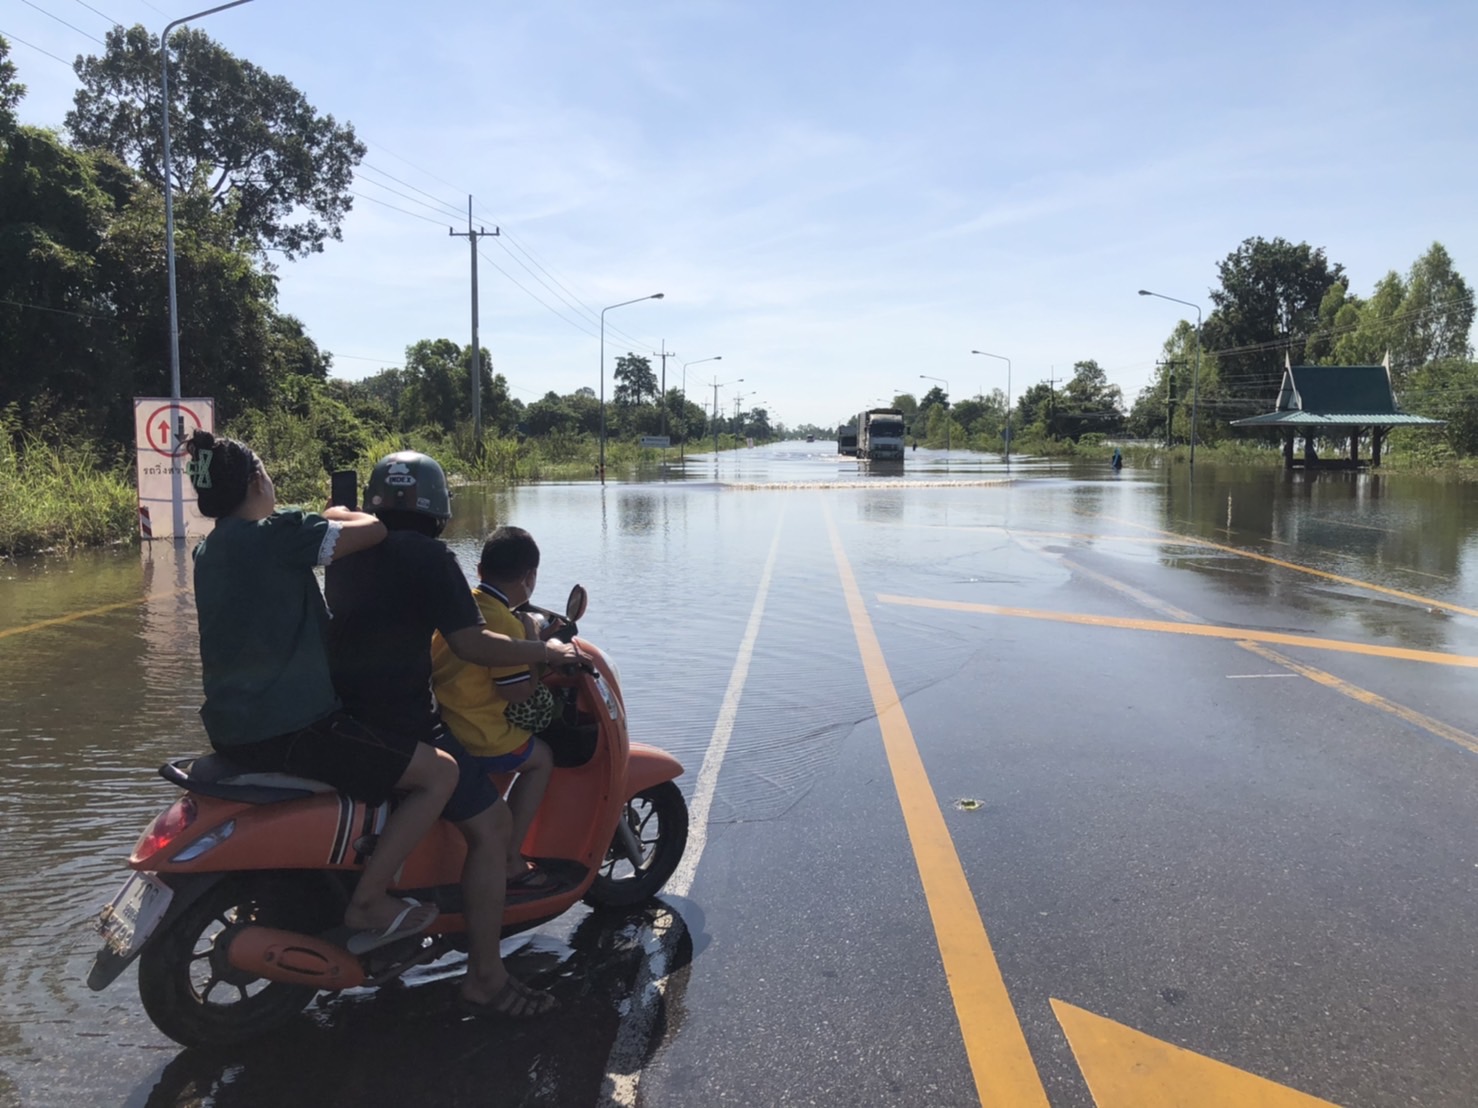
73,617
1343,580
1234,634
1366,697
1296,669
994,1041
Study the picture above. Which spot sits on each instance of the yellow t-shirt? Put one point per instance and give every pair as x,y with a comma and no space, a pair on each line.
471,705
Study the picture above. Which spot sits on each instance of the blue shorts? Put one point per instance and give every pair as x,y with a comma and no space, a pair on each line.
474,793
507,763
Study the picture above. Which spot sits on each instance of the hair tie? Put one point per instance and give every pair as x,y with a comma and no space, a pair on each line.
199,469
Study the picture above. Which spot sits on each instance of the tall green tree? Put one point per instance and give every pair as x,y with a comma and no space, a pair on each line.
1437,311
1266,307
634,380
83,284
246,137
11,90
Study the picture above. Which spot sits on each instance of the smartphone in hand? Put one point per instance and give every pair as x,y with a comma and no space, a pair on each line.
343,489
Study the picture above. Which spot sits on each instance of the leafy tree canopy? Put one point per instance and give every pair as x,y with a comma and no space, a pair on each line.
634,379
11,90
248,138
1266,306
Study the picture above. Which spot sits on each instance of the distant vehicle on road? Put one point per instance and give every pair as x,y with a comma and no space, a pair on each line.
810,438
880,434
847,440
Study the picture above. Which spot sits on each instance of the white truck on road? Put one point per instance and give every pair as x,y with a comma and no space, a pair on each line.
880,434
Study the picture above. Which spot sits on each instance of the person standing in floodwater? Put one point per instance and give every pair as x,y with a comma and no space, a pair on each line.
1118,459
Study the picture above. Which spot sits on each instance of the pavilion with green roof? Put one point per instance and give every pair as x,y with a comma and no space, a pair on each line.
1335,401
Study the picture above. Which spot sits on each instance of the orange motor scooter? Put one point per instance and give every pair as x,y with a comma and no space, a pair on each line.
235,909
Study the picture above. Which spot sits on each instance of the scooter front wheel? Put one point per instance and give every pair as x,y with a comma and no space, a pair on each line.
189,989
658,820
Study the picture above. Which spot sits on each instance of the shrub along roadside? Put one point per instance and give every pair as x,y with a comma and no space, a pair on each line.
61,497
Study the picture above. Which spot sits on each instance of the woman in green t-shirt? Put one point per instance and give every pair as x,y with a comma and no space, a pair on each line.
269,703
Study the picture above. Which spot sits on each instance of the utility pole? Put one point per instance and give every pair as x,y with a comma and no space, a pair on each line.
664,354
472,236
1052,405
1169,399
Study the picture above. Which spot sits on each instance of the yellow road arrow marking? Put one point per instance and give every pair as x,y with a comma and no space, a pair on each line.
1126,1068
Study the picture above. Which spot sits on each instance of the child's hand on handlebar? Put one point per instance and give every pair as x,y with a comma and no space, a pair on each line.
562,653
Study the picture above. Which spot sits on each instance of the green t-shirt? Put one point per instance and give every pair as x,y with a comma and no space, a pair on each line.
262,624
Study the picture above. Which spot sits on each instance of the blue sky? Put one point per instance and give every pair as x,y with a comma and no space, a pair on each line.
838,197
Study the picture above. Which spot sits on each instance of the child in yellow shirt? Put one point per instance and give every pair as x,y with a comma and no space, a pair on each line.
475,700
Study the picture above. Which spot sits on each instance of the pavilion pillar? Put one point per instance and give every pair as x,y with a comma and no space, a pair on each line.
1376,434
1288,437
1354,445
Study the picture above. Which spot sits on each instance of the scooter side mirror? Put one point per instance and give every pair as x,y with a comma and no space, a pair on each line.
576,604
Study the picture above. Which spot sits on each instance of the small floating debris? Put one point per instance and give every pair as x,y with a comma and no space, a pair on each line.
969,804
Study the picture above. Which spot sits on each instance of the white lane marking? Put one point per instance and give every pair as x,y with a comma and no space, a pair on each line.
623,1067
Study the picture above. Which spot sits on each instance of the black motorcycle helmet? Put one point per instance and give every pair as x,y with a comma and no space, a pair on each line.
409,482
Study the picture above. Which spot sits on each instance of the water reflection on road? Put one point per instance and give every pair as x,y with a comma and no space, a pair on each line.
91,705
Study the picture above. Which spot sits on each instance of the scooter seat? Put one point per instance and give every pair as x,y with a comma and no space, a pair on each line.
218,776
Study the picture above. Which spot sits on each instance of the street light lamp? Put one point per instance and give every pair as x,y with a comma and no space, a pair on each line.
926,377
174,320
1196,379
1007,360
603,311
717,384
682,448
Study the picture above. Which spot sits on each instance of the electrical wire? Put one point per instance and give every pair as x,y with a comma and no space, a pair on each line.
64,23
105,15
12,38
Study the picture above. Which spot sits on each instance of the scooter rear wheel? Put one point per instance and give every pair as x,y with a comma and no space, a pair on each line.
194,995
658,817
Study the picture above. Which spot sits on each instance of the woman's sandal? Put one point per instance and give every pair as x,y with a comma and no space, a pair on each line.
514,1001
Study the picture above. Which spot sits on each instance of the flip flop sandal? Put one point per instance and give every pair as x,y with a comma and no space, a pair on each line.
532,879
514,1001
401,927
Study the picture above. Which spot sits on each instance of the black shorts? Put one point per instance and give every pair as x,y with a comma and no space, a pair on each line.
353,757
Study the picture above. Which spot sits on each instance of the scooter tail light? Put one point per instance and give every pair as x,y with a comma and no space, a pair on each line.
168,826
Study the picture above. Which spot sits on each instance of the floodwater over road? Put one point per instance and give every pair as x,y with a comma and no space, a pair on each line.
1049,785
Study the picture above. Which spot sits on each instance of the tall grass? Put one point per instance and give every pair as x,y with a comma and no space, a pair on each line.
59,498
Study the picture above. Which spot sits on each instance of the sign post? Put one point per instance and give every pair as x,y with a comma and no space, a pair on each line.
166,501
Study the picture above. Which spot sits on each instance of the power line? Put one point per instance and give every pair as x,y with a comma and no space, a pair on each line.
105,15
392,207
440,204
577,324
64,23
33,46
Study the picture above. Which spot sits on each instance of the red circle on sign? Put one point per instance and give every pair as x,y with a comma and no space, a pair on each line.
158,429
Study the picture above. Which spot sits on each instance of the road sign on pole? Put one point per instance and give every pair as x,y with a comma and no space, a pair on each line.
166,499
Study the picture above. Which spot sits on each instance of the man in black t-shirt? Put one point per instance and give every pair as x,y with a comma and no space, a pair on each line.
384,609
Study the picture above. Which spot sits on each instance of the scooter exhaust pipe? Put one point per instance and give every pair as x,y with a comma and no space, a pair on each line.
294,958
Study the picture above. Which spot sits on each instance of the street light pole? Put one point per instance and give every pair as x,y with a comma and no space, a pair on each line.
682,448
174,318
1002,357
603,311
717,384
1196,380
926,377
